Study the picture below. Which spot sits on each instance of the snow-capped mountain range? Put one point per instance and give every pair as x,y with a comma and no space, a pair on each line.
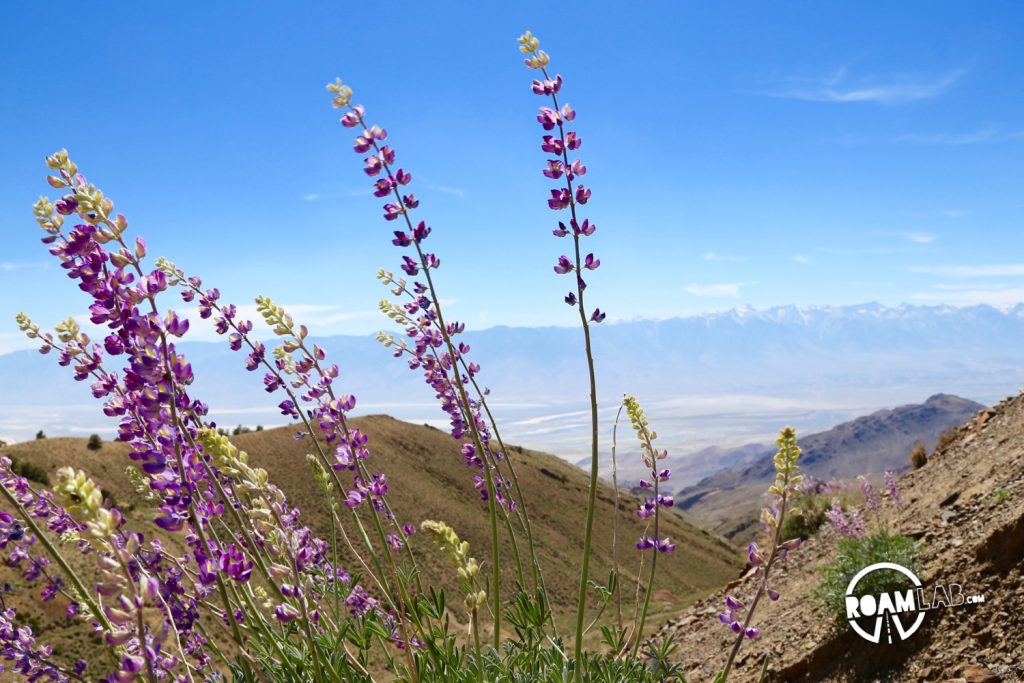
719,379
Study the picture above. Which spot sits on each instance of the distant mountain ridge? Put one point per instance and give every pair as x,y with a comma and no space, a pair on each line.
704,380
867,445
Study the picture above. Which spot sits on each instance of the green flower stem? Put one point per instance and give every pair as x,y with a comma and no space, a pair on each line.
615,521
478,441
639,634
581,604
524,516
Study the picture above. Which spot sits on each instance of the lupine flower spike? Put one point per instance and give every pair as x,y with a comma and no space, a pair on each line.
652,505
558,142
786,486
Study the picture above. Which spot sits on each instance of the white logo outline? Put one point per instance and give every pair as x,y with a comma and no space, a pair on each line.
877,635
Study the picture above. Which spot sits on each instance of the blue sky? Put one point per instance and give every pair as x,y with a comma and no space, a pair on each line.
761,153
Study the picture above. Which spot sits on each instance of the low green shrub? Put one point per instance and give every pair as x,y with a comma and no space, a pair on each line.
30,471
854,555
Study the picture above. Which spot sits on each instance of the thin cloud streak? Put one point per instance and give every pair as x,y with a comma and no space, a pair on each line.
866,251
724,258
993,270
892,90
970,297
956,139
918,237
729,289
457,191
9,266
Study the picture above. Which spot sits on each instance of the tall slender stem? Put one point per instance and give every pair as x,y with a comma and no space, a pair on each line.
654,559
594,459
615,520
463,397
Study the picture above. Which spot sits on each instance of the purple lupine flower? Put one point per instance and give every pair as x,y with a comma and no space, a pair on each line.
147,397
429,348
869,494
837,518
893,489
729,617
858,527
564,265
646,543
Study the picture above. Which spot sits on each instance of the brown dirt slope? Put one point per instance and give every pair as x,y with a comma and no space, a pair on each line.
967,508
427,481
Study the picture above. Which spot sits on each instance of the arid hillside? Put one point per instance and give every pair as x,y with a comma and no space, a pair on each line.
729,501
966,507
427,481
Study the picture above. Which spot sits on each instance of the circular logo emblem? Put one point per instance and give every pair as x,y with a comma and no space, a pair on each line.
892,608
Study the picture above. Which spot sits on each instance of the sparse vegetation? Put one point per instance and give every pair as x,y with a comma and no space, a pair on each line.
95,442
30,471
918,456
40,434
999,496
946,439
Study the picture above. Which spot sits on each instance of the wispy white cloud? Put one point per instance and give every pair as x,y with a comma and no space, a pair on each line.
724,258
973,296
839,87
730,289
312,197
9,266
797,258
15,341
975,137
865,251
942,213
457,191
990,270
918,237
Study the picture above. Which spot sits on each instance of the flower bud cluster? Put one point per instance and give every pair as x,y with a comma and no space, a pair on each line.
650,456
458,551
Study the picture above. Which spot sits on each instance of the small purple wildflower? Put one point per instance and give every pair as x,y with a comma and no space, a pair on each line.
893,489
870,495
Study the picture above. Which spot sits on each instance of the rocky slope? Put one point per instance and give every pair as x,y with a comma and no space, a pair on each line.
728,501
966,506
